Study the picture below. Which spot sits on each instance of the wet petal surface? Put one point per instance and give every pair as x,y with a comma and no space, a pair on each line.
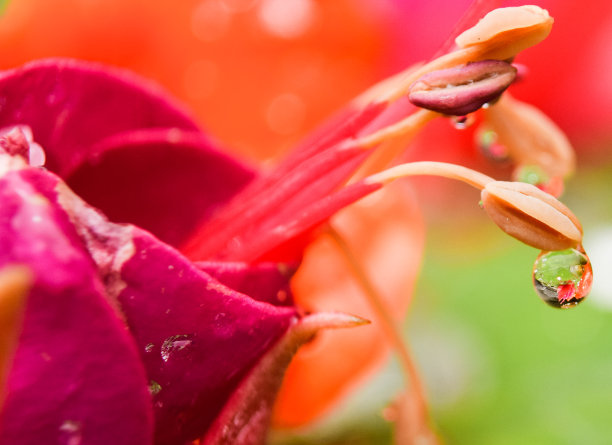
76,376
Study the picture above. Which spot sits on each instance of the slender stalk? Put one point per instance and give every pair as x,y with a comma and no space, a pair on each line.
428,168
385,319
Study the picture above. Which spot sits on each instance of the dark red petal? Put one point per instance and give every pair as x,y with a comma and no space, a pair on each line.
245,418
197,337
76,376
166,181
70,105
267,282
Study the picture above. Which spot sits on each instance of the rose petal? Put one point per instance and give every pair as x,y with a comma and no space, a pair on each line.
245,418
166,181
197,337
70,105
76,375
267,282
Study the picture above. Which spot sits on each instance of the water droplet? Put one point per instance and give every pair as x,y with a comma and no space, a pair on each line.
70,433
174,344
462,122
487,142
562,278
149,347
154,387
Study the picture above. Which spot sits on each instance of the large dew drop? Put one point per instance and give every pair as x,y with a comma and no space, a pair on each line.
462,122
174,344
562,278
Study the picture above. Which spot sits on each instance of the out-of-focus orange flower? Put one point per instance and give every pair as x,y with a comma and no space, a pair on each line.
258,73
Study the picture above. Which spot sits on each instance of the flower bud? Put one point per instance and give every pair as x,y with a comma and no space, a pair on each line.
531,137
463,89
531,215
504,32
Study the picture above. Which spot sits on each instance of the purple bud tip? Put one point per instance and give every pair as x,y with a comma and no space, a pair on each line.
461,90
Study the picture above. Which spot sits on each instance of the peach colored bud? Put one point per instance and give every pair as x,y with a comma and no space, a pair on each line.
531,137
531,215
504,32
463,89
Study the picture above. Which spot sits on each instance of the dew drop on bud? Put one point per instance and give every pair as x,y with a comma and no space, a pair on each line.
462,122
562,278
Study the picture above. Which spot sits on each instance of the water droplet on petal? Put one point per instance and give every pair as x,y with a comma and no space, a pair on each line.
562,278
462,122
174,344
154,387
149,347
